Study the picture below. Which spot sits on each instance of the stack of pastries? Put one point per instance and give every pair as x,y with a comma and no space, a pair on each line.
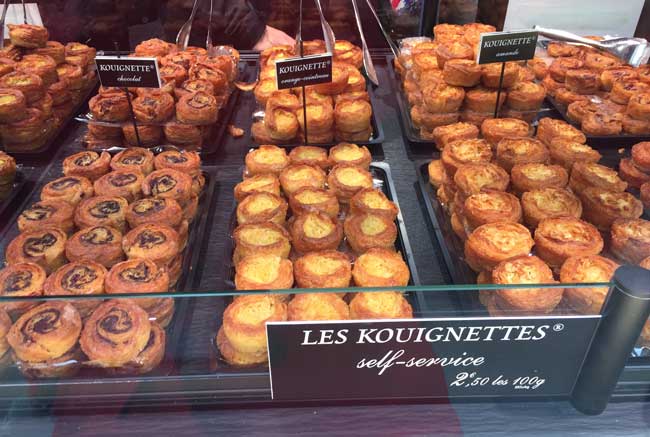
538,211
601,94
341,231
444,85
339,110
182,112
109,225
7,174
41,82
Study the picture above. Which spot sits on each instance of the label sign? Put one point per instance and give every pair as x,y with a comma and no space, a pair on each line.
123,72
507,46
310,70
427,357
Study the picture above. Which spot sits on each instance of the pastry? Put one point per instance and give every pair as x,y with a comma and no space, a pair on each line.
266,159
140,276
350,154
262,207
560,66
513,150
591,269
313,231
154,210
630,240
294,177
110,108
323,269
561,49
340,74
635,127
320,118
88,164
490,206
526,270
365,231
630,173
621,92
600,123
373,201
182,134
61,95
535,176
184,161
44,247
577,110
120,183
550,129
585,175
260,183
263,272
70,189
150,357
134,159
260,238
453,50
40,65
78,278
380,267
169,184
525,96
582,81
310,155
491,75
318,306
308,199
194,86
346,180
638,106
352,115
495,129
116,333
12,105
462,72
551,85
602,207
645,194
236,358
443,135
28,35
549,202
380,305
155,242
474,178
567,152
611,75
461,152
5,326
442,98
197,108
641,155
47,213
428,121
7,174
102,210
21,279
558,238
27,132
153,107
492,243
102,244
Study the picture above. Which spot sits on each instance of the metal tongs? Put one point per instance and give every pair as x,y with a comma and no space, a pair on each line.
328,33
2,24
391,44
183,37
633,51
367,60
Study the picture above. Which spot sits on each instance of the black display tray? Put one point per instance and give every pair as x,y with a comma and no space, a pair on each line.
20,182
600,141
95,382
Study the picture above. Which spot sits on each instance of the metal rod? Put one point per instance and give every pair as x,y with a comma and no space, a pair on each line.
304,93
24,12
496,105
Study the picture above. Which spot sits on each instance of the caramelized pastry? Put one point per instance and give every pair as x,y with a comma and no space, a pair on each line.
313,231
462,72
139,276
346,180
550,129
380,267
582,81
350,154
352,115
26,132
495,129
591,269
318,306
638,106
630,240
375,202
101,210
366,231
260,238
534,176
630,173
560,66
641,155
525,96
461,152
511,151
611,75
635,127
310,155
153,107
294,177
114,109
437,174
181,160
577,110
88,164
428,121
551,85
489,207
266,159
380,305
263,272
169,184
602,207
308,199
21,279
12,105
262,207
28,35
120,183
155,242
78,278
198,108
260,183
442,98
153,47
443,135
453,50
236,358
110,108
584,175
561,49
46,213
474,178
621,92
183,134
491,75
324,269
602,124
492,243
339,81
566,152
42,66
550,202
558,238
102,244
44,247
134,159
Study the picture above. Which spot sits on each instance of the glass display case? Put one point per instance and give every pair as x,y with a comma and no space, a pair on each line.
265,247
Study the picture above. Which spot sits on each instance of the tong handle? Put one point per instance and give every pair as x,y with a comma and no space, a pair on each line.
328,33
367,59
391,44
563,35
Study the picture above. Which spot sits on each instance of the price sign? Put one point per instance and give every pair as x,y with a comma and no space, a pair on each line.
308,70
123,72
428,357
506,46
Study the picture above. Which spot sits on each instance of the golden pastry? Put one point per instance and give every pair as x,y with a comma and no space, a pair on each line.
262,207
260,238
297,176
512,150
585,175
351,154
181,160
47,213
442,98
641,155
473,178
622,91
263,272
199,108
495,129
155,242
639,106
535,176
260,183
308,199
567,152
489,207
12,105
630,173
102,244
611,75
78,278
28,132
310,155
380,305
550,129
491,75
28,35
560,66
40,65
380,267
88,164
630,240
366,231
483,100
346,180
558,238
549,202
169,184
153,47
45,247
492,243
318,306
462,72
109,108
582,81
461,152
600,123
153,107
21,279
443,135
588,268
373,201
313,231
525,96
266,159
112,109
134,159
453,50
120,183
323,269
602,207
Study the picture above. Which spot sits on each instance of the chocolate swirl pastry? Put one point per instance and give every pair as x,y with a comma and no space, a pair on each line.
111,108
184,134
44,340
139,276
198,108
148,134
153,107
102,244
186,162
47,213
155,210
158,243
5,325
120,183
115,334
23,279
44,247
78,278
194,86
168,183
102,210
134,159
150,357
88,164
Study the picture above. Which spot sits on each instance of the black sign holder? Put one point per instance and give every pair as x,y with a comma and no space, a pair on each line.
496,104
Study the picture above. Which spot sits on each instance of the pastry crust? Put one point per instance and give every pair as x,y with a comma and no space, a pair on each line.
645,194
551,85
260,238
352,115
635,127
428,121
495,129
102,244
138,276
184,134
169,184
173,73
513,150
101,210
462,72
350,154
155,242
600,123
602,207
120,183
560,66
525,96
589,268
526,270
366,231
577,110
474,178
339,81
236,358
346,180
181,160
442,98
194,86
44,247
323,269
88,164
535,176
110,108
46,213
260,183
461,152
345,51
265,89
297,176
262,207
474,117
153,47
630,240
134,159
453,50
21,279
150,357
491,75
582,81
423,61
380,305
40,65
198,108
245,319
264,272
45,332
641,155
559,238
155,210
639,106
28,36
550,129
78,278
437,174
630,173
320,118
611,75
489,207
318,306
310,155
380,267
12,105
116,333
622,91
153,107
314,231
584,175
550,202
566,152
73,76
373,201
266,159
308,199
492,243
443,135
561,49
